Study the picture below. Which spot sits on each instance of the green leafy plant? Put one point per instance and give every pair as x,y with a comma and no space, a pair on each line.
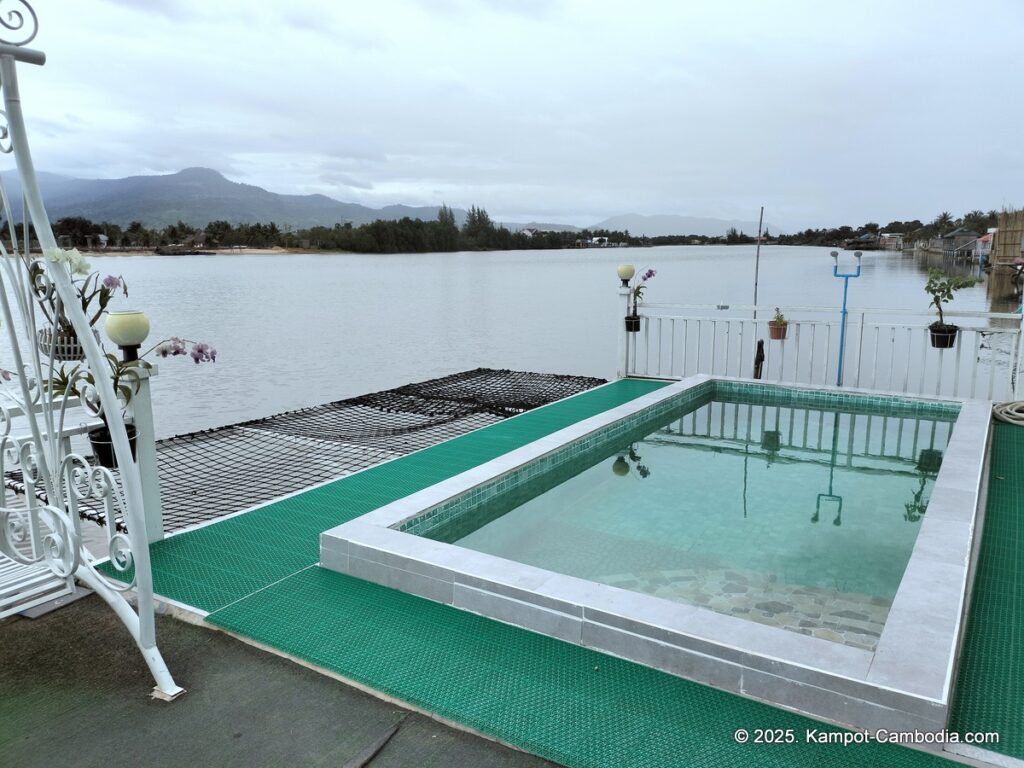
780,319
126,373
639,286
94,294
64,382
941,288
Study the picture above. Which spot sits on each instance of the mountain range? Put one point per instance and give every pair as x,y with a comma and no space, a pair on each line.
200,195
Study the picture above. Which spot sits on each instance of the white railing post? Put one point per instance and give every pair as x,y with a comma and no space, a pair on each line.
623,352
141,412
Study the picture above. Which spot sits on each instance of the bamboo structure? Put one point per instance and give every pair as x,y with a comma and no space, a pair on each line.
1009,240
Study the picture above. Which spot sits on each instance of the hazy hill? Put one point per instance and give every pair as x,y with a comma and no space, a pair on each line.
654,226
196,196
199,195
541,226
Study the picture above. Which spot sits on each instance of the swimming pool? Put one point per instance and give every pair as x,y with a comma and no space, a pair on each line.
793,516
805,546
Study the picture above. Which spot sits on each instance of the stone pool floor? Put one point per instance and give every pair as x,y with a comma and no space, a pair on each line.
843,617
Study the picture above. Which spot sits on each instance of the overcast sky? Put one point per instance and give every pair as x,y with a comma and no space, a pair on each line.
551,110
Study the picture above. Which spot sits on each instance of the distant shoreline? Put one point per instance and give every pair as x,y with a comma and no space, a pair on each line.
277,250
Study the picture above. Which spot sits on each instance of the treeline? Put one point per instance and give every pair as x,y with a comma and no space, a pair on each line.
912,231
731,237
478,233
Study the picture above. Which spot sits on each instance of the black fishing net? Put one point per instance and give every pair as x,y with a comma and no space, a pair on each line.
209,474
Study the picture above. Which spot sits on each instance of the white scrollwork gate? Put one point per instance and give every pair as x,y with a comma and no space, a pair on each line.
43,540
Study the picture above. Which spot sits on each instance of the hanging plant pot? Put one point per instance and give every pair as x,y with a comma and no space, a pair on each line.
771,440
943,336
632,323
930,460
103,445
777,331
61,345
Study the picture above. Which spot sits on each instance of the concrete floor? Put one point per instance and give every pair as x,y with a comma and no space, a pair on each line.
75,691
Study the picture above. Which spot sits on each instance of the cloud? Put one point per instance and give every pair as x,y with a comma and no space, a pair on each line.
176,10
566,109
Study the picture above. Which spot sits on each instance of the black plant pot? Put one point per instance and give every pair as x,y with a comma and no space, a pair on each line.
103,446
943,336
771,440
930,460
632,324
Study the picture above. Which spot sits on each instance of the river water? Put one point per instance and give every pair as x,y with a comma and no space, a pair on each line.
298,330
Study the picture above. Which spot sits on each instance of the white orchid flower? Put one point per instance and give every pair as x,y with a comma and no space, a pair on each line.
73,258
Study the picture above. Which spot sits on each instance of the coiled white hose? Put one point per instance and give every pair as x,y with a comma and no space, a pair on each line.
1012,413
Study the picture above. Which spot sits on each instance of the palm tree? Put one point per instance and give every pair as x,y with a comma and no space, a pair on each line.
944,220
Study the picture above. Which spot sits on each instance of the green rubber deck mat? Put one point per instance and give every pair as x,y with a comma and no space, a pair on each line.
561,701
213,566
989,695
257,576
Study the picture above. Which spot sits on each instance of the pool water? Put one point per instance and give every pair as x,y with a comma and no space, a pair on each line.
798,517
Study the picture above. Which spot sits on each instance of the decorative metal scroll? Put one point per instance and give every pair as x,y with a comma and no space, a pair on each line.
18,22
39,390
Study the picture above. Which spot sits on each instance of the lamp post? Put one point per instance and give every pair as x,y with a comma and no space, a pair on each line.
127,329
842,325
625,273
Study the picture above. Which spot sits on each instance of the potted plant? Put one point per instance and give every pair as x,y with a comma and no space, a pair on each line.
58,340
126,379
771,440
929,460
623,466
915,508
637,295
941,288
778,326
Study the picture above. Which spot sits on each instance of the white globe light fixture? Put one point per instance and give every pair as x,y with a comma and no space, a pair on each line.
626,272
128,329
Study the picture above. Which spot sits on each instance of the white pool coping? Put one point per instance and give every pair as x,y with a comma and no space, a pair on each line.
904,684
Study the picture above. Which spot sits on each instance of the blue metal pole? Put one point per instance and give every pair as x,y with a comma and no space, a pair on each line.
842,331
842,324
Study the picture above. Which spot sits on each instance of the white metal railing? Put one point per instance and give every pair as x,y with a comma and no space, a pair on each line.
885,349
855,437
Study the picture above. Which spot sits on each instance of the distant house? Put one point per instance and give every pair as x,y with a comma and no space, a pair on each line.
959,242
866,242
599,242
529,231
983,249
891,241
